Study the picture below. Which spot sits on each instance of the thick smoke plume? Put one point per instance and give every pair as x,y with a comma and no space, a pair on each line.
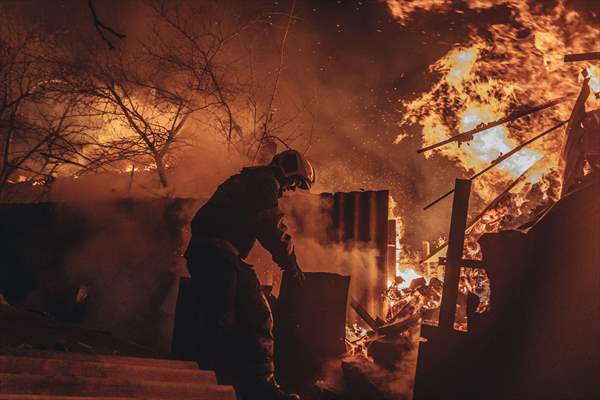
129,264
308,218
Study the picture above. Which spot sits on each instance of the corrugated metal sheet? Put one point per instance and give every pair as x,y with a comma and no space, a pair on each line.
361,219
355,219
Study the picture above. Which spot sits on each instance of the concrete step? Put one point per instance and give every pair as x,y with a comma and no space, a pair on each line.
101,369
30,384
47,375
50,397
115,359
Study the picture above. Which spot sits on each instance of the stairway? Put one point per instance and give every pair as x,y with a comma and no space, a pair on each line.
46,375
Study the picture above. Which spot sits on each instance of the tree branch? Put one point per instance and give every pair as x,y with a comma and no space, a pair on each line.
101,28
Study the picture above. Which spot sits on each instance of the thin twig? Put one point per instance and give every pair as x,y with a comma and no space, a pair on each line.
101,27
269,112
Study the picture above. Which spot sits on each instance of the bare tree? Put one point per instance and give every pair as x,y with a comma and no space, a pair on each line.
210,48
88,111
104,30
143,113
189,42
147,91
20,77
39,123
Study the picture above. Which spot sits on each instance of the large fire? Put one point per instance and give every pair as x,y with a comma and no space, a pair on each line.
594,74
518,65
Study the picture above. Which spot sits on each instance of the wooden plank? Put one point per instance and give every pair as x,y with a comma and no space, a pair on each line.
363,314
500,159
456,239
571,153
467,136
595,55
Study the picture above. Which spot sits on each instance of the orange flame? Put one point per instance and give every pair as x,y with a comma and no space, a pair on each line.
594,74
518,65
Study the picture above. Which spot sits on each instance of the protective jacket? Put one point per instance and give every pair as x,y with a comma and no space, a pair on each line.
243,209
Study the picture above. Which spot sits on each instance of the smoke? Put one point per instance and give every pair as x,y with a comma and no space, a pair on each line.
354,66
308,217
396,381
128,260
359,376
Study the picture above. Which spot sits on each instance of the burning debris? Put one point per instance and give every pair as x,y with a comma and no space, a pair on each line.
493,80
412,298
380,356
380,361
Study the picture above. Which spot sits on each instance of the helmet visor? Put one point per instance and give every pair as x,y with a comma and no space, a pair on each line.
303,183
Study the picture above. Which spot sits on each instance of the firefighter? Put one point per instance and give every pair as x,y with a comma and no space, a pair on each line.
236,317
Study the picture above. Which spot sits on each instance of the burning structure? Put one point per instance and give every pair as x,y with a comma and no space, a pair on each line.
509,103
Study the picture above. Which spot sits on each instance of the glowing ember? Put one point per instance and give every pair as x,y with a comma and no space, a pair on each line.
412,297
407,277
356,340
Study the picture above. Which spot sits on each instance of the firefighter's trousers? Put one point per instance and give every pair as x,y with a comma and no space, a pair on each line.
236,339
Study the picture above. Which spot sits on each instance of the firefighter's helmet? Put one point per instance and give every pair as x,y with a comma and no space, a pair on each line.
294,165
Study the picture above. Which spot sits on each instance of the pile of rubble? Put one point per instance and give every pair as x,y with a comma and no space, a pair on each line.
408,305
381,360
